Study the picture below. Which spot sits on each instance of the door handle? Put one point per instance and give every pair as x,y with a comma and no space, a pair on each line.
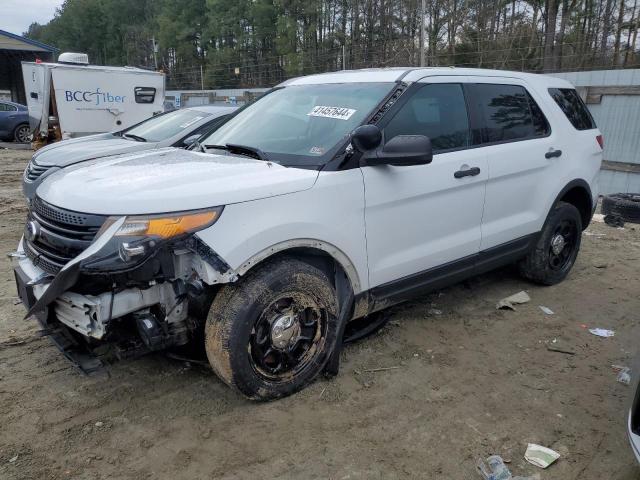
470,172
553,154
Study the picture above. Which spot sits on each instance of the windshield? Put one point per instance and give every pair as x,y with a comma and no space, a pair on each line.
301,124
165,126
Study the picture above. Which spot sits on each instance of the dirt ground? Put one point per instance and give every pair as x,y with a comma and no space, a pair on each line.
466,381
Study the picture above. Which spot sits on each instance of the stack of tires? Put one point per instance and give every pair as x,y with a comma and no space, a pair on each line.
621,207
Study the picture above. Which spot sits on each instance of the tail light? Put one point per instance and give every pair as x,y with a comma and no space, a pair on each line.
600,140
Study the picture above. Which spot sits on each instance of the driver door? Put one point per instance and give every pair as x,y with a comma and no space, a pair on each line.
423,222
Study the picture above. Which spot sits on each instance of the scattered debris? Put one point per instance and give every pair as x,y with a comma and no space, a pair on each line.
515,299
12,344
540,456
381,369
434,311
600,265
598,217
560,350
497,470
546,310
614,221
624,374
99,424
602,332
592,234
13,459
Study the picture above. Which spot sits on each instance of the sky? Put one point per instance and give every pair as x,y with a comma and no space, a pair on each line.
17,15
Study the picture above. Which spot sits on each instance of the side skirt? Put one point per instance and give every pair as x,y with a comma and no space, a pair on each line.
406,288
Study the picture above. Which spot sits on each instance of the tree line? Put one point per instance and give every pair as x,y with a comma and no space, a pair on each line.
255,43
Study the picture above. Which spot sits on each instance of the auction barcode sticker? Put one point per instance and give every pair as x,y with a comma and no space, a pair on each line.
341,113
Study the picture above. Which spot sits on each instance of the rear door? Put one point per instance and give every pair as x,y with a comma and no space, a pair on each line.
425,216
521,150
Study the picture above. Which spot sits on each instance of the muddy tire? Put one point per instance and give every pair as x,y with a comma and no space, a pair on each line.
623,205
271,333
556,251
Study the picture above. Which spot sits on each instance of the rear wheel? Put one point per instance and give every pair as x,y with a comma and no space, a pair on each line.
272,333
557,248
22,133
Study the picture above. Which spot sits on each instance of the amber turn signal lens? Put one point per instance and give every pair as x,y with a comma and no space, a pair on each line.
167,227
174,226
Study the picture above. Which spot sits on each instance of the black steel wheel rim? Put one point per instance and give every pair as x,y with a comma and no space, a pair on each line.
560,258
280,358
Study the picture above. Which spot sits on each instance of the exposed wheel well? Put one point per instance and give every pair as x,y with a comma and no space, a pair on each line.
23,124
580,198
315,257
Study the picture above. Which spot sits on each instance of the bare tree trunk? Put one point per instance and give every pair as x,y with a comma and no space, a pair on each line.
559,50
606,30
631,23
550,34
616,48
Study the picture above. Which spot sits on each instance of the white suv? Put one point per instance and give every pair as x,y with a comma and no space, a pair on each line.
330,198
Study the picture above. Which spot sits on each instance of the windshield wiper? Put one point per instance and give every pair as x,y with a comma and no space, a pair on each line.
137,138
245,150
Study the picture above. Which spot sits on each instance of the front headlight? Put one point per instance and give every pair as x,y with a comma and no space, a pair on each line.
165,226
140,235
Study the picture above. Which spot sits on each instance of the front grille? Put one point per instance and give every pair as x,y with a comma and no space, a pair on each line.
61,234
34,171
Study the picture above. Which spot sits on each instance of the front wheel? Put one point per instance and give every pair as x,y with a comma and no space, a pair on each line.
557,248
272,333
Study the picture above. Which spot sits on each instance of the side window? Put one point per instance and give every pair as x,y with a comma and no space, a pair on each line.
437,111
208,128
144,94
5,107
540,122
573,107
508,113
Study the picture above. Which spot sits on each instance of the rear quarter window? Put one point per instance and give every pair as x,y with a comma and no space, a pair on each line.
508,113
573,107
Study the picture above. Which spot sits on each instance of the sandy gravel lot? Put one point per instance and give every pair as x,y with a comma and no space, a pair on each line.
471,381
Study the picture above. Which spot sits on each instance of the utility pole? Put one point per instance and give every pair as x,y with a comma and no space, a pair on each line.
422,13
201,79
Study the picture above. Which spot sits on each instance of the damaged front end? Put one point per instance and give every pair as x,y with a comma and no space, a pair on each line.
117,286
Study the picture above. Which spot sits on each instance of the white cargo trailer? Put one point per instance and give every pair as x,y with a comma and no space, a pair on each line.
72,99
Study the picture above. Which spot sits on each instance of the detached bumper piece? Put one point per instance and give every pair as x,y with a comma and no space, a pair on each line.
77,353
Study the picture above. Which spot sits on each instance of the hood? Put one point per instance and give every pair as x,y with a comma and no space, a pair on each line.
68,152
169,180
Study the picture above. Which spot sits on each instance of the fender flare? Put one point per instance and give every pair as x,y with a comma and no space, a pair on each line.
578,182
333,251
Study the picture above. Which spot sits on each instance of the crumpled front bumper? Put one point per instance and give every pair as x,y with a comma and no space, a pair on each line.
87,314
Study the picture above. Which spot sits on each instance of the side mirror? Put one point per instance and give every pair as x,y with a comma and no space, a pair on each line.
187,142
402,150
366,138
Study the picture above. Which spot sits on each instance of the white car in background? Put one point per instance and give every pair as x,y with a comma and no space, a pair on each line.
331,197
177,128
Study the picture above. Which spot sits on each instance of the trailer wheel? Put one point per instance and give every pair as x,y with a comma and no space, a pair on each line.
22,133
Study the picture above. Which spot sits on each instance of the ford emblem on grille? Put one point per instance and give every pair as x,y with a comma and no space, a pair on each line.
32,231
